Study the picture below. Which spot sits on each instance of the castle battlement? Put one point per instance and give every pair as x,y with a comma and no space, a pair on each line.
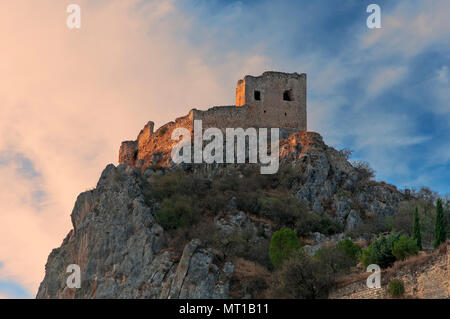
271,100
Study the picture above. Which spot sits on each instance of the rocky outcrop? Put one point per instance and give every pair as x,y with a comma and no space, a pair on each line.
122,252
328,182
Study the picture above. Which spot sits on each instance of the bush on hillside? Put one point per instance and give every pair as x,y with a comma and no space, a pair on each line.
404,247
283,243
284,210
347,247
396,288
334,260
303,277
313,222
380,251
177,211
241,244
364,169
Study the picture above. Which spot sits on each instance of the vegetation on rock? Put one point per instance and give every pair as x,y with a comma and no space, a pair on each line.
440,229
404,247
396,288
282,245
416,229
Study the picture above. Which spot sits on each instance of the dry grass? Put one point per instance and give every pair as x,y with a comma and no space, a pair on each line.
260,220
249,277
346,280
362,243
412,263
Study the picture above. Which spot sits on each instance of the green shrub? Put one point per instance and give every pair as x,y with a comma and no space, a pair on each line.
404,247
350,249
284,210
180,183
177,211
380,251
440,229
284,178
396,288
283,243
405,219
416,229
313,222
248,202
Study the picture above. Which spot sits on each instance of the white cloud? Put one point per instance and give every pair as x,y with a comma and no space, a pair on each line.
409,28
69,97
441,86
385,78
442,74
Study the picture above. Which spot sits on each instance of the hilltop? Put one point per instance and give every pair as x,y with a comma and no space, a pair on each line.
212,240
155,227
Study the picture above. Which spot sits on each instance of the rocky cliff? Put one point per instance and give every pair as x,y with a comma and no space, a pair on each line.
123,252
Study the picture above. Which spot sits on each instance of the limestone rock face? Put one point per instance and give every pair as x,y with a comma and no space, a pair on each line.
121,250
328,182
124,253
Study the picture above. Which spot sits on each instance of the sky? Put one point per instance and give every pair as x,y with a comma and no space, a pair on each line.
68,97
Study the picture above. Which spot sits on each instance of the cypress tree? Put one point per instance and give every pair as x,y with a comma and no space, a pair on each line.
440,229
416,229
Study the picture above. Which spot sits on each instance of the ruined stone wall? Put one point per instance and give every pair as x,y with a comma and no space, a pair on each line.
270,111
246,116
153,148
264,95
224,117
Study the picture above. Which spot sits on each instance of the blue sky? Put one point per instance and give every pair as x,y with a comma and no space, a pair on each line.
70,97
383,93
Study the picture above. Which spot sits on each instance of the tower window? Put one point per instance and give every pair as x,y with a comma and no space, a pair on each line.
287,95
257,96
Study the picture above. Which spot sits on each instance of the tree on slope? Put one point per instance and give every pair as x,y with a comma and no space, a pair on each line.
416,229
440,229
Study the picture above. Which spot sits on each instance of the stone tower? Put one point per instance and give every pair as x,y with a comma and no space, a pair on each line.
279,99
271,100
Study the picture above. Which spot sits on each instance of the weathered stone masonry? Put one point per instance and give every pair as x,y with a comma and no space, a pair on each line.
272,100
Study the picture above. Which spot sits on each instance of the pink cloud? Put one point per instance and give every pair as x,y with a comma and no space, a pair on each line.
69,97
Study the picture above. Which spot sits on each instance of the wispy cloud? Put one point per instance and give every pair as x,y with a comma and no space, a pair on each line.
69,97
12,290
410,28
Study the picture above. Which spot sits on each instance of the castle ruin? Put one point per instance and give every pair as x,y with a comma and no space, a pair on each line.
271,100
